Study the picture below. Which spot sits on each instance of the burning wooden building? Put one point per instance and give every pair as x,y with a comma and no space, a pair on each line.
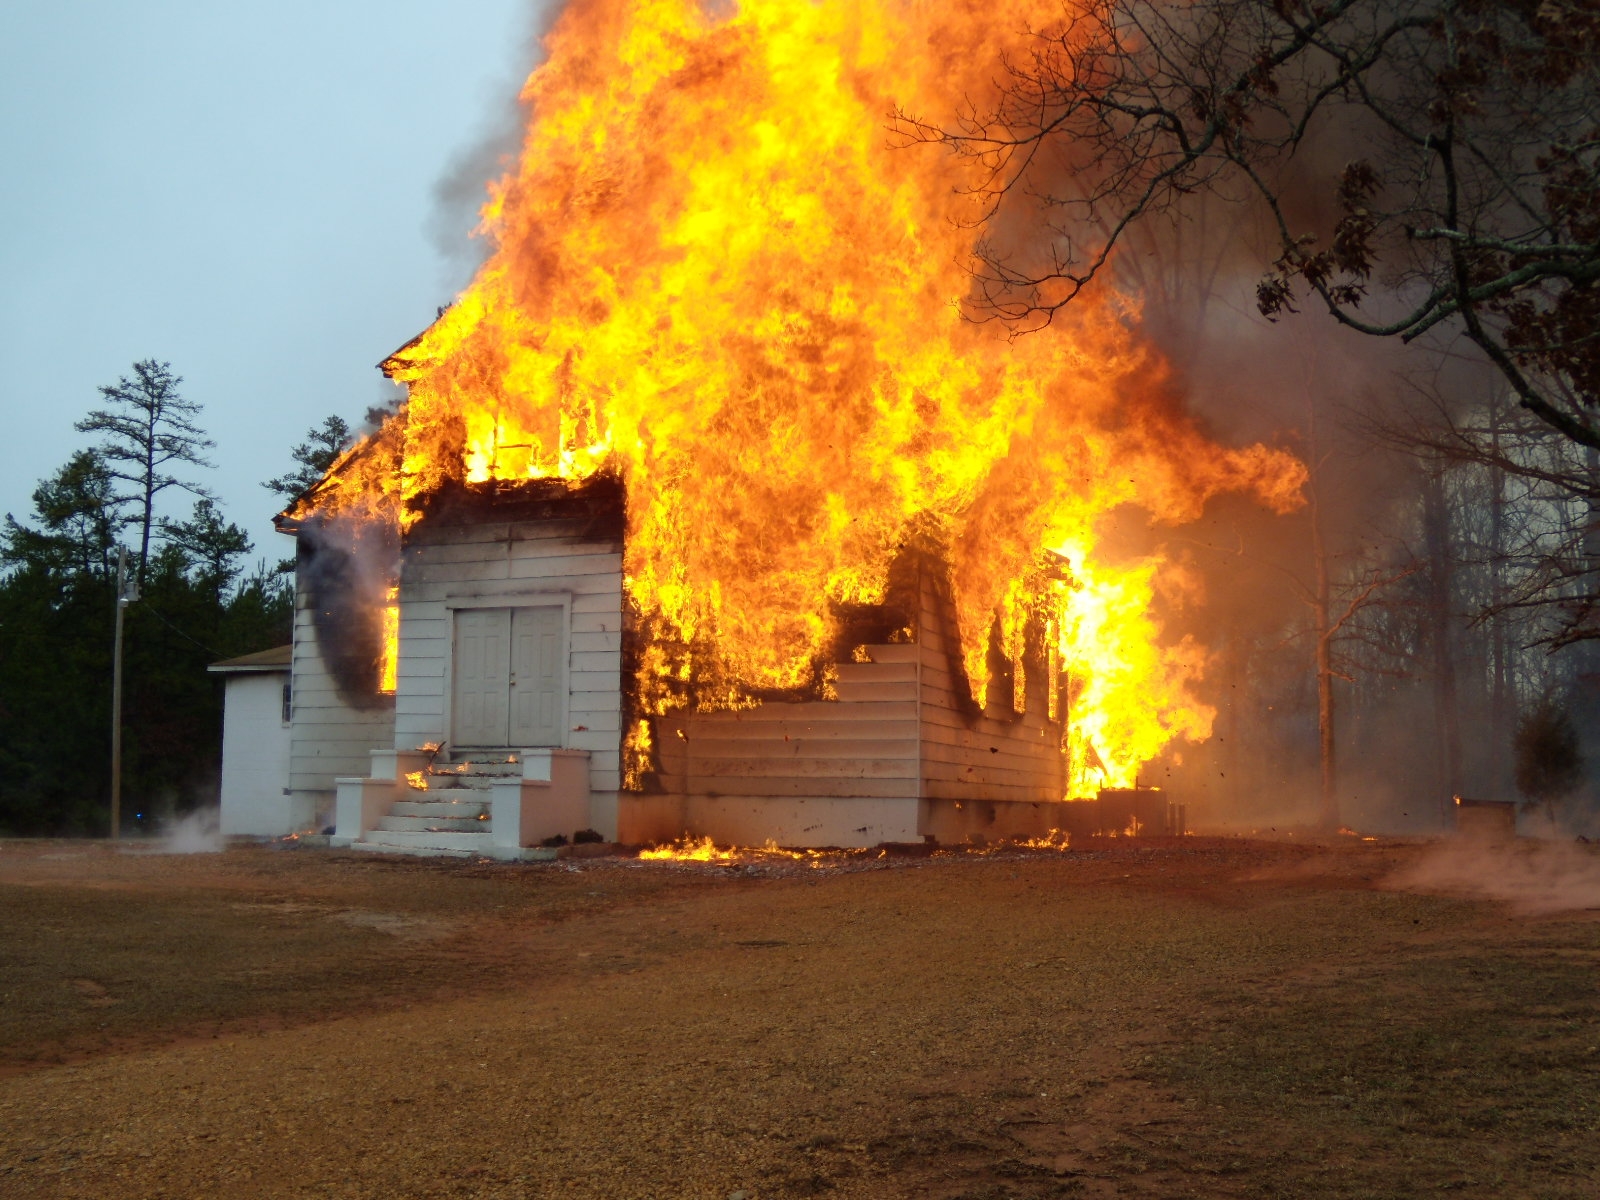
511,661
706,504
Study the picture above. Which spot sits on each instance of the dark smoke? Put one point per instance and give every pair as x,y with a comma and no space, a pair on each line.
459,193
346,567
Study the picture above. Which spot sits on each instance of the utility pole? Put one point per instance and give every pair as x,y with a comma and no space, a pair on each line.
127,593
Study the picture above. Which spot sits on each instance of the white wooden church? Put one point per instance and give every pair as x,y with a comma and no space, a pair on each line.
498,724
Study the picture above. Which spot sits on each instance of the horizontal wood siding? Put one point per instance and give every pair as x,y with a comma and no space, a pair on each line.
450,564
995,755
897,732
861,746
328,738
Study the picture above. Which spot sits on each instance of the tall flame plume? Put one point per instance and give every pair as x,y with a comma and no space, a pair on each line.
714,273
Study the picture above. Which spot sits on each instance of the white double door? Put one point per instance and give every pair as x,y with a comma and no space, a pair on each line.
509,677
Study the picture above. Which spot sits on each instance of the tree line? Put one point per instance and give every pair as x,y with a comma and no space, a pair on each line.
200,598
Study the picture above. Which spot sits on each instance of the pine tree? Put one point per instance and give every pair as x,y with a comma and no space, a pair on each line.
148,428
212,545
315,455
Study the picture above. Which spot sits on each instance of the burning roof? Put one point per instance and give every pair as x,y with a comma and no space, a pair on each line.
714,276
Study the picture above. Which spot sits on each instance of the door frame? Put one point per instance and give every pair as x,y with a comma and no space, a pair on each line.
519,599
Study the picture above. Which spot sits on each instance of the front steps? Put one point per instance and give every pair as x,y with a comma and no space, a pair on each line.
467,806
454,822
448,815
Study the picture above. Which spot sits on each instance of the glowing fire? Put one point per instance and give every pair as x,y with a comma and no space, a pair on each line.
689,850
704,850
1056,839
714,274
389,661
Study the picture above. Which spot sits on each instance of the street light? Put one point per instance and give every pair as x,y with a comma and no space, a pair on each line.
127,593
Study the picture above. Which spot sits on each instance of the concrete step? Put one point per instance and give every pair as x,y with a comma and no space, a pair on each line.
468,775
451,843
524,854
415,851
405,824
480,766
450,795
448,783
468,809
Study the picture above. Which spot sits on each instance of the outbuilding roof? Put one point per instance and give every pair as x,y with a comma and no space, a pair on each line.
276,659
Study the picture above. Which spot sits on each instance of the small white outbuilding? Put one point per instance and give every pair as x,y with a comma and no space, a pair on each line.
257,703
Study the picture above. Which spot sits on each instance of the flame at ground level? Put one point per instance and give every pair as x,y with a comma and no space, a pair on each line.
704,850
715,274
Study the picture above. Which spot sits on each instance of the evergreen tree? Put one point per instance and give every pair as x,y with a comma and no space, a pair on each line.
76,508
149,427
313,457
211,545
57,578
197,605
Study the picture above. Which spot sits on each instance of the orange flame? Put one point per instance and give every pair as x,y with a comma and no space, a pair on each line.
713,274
389,652
689,850
1056,839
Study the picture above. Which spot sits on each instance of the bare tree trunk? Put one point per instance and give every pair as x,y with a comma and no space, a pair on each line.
1441,633
1500,714
1322,616
1329,809
1586,697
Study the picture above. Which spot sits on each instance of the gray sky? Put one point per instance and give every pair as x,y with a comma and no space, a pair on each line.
269,196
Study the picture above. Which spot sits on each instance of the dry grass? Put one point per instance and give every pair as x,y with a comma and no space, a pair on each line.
1210,1019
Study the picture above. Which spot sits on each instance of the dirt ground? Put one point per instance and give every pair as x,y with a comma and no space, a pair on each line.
1196,1018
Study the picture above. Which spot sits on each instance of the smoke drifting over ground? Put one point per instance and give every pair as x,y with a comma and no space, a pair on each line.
194,833
1532,876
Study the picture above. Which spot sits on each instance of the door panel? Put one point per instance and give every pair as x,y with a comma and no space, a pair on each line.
481,678
538,676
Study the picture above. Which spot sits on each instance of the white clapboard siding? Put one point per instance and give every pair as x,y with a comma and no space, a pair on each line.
328,738
596,720
709,745
526,562
863,748
586,640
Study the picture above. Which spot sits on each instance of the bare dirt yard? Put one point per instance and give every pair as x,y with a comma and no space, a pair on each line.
1195,1018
